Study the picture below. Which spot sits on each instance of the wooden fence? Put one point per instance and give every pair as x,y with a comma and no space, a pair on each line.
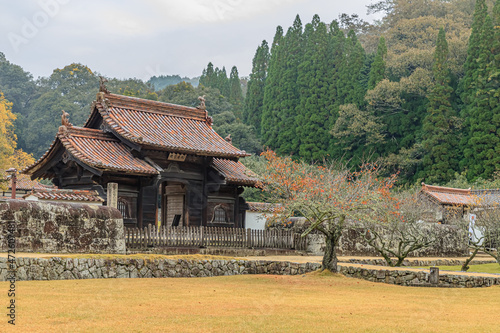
152,236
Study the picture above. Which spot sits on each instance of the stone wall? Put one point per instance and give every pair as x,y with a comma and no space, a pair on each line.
417,262
452,243
69,269
61,227
418,279
87,268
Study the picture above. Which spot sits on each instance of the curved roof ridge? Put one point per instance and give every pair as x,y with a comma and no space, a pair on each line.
82,149
90,132
434,188
146,105
96,149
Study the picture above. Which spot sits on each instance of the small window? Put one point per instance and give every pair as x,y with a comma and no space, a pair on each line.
124,208
220,215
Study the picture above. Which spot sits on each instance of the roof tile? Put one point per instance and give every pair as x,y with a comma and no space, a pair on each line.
102,151
66,195
166,126
235,172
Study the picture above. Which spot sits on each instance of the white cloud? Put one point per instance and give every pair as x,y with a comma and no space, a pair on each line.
194,12
127,38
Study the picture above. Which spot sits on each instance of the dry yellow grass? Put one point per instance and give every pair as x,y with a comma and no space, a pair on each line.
146,256
317,302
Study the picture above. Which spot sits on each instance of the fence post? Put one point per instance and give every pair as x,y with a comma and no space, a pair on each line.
166,234
202,237
249,238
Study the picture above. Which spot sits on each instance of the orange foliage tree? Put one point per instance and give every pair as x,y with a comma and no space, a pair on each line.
328,196
9,156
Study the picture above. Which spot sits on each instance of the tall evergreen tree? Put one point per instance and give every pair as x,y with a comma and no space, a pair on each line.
349,84
483,149
208,77
235,94
270,110
223,82
377,72
313,118
467,88
337,41
215,78
290,98
254,100
439,163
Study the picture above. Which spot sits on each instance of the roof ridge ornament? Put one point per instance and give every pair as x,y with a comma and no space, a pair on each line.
100,98
102,86
202,105
65,125
65,119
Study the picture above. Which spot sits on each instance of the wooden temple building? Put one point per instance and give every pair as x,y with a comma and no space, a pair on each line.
168,162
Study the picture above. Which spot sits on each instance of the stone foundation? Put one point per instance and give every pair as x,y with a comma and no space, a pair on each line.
418,279
417,262
86,268
69,269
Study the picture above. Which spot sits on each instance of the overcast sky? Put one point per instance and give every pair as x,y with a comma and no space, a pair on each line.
132,38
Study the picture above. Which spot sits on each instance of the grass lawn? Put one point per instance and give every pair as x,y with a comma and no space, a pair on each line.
483,268
248,303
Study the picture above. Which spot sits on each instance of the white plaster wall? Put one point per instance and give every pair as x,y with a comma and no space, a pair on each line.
255,220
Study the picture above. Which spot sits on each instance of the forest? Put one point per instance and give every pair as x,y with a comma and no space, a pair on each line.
418,91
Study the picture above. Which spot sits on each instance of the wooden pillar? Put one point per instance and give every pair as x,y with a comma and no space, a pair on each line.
112,195
204,194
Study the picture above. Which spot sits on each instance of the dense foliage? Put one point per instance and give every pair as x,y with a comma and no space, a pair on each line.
10,157
419,90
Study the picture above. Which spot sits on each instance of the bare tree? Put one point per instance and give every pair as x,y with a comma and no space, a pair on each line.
484,228
401,230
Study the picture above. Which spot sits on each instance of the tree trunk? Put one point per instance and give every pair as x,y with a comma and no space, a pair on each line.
399,262
465,266
330,257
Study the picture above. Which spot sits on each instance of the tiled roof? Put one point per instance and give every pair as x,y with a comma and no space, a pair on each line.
163,126
24,182
103,151
448,195
486,197
462,197
95,149
263,207
66,195
235,172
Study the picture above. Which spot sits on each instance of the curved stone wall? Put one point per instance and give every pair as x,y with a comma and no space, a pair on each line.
418,278
417,262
